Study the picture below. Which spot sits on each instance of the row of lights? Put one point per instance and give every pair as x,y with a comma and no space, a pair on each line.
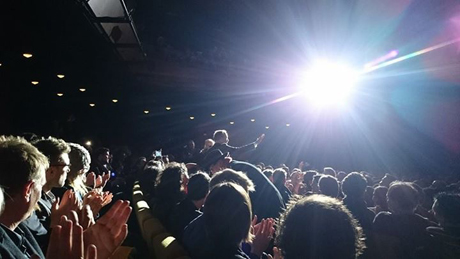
61,76
29,55
233,123
168,108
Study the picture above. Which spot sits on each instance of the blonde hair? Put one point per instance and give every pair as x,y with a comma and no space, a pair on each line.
80,160
20,162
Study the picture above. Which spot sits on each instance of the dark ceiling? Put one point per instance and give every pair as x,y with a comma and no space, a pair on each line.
232,58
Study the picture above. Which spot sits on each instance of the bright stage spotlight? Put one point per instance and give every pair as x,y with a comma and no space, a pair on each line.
328,83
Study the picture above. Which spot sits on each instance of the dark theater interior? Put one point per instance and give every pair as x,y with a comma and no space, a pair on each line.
206,129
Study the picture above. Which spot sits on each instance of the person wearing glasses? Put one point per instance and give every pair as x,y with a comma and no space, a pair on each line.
57,151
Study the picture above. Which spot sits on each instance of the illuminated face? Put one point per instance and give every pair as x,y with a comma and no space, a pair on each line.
208,144
60,170
104,158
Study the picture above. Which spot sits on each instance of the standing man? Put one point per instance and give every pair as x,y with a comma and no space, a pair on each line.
221,142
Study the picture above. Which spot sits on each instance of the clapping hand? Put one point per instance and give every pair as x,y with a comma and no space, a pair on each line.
263,234
276,254
97,199
110,230
94,181
63,208
66,241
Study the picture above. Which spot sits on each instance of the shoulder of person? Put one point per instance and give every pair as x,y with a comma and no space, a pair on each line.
382,216
425,220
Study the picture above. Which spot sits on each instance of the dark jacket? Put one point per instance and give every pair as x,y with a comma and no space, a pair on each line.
39,221
285,193
19,243
409,231
182,215
199,246
234,151
359,210
266,199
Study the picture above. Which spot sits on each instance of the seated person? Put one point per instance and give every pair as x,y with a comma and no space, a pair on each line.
80,160
380,199
189,208
169,190
446,209
22,174
353,187
279,180
195,239
329,186
40,221
401,233
316,227
227,218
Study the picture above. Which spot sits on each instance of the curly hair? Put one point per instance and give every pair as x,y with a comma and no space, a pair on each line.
81,161
318,226
168,184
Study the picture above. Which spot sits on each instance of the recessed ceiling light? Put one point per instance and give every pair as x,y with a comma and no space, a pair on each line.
34,82
88,143
267,127
252,120
168,108
61,76
192,118
232,122
27,55
114,100
287,124
92,104
0,64
60,94
213,115
146,112
82,89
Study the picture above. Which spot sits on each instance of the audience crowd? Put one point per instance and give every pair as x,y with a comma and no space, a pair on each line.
59,200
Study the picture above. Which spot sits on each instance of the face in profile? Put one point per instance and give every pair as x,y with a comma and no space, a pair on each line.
61,169
104,157
208,144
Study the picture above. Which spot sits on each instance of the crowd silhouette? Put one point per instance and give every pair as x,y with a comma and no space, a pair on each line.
60,200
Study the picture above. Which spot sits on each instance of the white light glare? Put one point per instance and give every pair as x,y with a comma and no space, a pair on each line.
328,83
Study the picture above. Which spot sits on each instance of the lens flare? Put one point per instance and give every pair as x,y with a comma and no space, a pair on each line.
328,83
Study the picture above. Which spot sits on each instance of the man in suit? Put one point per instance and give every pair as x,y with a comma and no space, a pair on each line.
221,143
57,151
22,174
